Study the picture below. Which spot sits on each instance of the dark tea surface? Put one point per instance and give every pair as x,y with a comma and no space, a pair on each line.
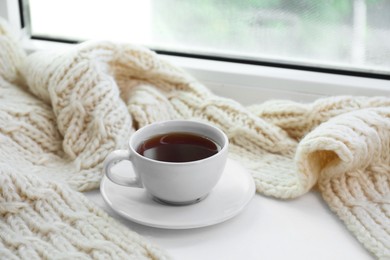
178,147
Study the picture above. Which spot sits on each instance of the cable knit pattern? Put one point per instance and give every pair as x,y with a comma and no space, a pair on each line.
60,134
44,220
350,154
62,112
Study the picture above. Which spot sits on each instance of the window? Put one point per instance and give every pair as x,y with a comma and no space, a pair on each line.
249,80
342,35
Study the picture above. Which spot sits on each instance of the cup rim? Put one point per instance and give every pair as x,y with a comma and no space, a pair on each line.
224,147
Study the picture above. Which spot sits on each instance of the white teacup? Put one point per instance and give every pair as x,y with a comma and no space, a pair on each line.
170,182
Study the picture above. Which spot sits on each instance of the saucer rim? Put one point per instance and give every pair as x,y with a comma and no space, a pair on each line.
251,191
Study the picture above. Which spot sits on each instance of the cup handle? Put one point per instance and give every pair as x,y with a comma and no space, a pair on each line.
115,157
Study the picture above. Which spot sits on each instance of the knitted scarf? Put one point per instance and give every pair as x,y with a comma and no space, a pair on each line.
63,111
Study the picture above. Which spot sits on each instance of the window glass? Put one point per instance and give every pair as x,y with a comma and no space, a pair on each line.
350,35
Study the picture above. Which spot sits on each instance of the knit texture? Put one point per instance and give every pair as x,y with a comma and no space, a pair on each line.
40,218
62,112
45,220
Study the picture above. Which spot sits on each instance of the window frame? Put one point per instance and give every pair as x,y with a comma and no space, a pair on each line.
250,82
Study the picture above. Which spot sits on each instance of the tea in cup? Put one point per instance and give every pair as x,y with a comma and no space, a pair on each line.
177,162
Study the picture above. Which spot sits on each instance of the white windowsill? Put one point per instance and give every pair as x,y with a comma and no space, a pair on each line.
251,84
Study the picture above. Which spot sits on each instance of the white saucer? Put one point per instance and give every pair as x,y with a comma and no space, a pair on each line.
232,193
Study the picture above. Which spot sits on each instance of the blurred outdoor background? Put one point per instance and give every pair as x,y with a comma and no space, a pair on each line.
346,34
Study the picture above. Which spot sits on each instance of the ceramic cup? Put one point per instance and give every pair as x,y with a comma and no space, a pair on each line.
177,183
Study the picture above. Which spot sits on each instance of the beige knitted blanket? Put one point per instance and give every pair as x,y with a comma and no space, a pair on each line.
62,112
